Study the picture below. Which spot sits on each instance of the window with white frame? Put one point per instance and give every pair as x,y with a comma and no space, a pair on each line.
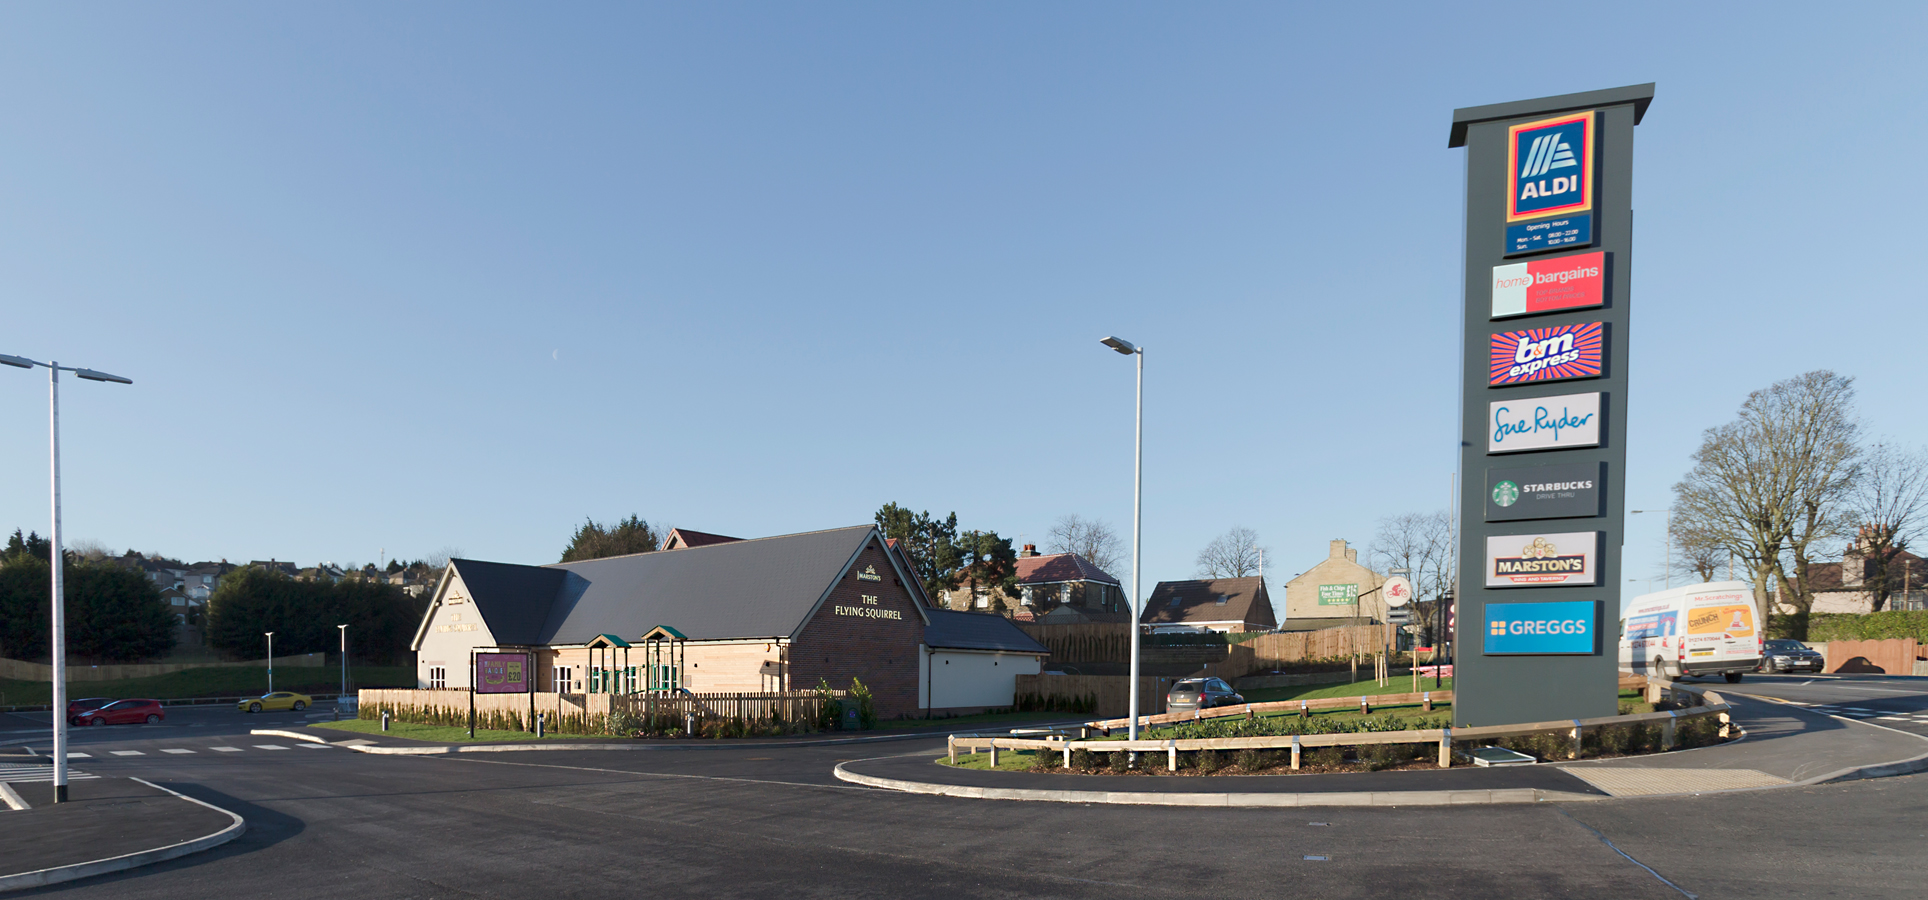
438,678
559,679
1026,599
1064,593
981,598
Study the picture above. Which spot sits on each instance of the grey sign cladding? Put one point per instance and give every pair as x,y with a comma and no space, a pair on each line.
1544,492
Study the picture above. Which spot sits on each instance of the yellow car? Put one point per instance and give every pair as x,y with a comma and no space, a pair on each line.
276,700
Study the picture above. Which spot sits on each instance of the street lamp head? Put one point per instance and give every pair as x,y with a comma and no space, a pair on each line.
1119,344
92,375
18,362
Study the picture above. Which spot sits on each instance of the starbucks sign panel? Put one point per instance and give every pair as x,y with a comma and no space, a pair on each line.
1543,492
1568,559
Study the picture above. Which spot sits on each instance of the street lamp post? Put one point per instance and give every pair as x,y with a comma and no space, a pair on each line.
1137,517
270,635
57,559
1667,539
344,664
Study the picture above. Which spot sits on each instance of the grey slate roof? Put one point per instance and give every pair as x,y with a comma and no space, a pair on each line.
744,589
1246,600
954,630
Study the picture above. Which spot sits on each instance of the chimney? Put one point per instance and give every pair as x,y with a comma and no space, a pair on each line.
1352,555
1338,548
1029,551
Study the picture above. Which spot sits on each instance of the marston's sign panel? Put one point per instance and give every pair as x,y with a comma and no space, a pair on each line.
1551,167
1570,627
1543,423
1564,491
1550,285
1543,560
1556,353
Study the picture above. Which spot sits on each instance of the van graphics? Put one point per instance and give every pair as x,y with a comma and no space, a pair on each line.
1735,621
1653,625
1546,354
1543,423
1542,560
1550,167
1569,490
1550,285
1571,627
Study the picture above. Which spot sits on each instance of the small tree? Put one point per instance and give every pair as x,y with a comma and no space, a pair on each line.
929,542
866,704
595,541
1089,538
1234,554
989,563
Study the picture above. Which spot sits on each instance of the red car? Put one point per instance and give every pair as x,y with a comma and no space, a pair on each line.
122,712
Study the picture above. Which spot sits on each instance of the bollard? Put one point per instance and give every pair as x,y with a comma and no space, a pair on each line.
689,724
951,744
1365,706
384,720
1295,752
1445,748
1304,711
1066,747
1171,756
1575,754
1426,701
1667,735
993,754
1249,716
539,723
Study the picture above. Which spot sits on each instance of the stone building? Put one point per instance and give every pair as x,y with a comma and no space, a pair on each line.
1337,591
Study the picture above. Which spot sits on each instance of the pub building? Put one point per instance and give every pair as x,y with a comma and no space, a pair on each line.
712,614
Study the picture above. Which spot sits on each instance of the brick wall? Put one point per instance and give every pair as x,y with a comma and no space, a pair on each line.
837,646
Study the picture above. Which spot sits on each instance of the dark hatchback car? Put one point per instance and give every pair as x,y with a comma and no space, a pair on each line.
1200,693
122,712
1790,656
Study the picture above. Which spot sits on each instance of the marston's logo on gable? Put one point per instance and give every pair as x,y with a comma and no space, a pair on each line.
869,574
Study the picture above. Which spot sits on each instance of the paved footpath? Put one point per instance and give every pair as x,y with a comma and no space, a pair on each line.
104,819
1783,745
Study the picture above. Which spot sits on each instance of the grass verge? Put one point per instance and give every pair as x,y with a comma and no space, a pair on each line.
444,734
1400,684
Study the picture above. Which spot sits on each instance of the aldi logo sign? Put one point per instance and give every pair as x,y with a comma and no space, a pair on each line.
1571,627
1546,354
1550,285
1550,167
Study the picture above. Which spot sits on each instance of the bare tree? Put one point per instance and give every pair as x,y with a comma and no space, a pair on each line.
1696,557
1773,486
1089,538
1888,505
1234,554
1422,544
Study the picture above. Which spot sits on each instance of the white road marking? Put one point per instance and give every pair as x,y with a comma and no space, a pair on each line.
269,747
226,749
76,754
127,753
314,746
174,750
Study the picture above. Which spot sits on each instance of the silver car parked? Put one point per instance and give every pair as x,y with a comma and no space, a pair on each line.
1200,693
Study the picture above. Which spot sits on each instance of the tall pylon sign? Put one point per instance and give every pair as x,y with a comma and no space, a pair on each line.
1543,446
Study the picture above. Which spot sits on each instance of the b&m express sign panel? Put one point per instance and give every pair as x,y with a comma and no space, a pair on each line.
1547,354
1550,285
1519,629
1550,167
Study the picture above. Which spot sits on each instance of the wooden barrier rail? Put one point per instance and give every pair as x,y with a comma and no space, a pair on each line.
1443,736
1425,699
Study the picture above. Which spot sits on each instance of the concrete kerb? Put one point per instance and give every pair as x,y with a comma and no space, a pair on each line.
58,874
380,750
1226,799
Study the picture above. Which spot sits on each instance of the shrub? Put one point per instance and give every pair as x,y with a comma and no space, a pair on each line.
1045,761
1323,757
1081,759
866,704
1252,760
1118,761
1207,761
829,708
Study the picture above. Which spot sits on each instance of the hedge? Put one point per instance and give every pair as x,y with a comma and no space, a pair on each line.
1869,626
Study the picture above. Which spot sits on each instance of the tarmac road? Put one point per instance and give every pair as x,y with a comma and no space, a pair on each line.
722,821
1899,703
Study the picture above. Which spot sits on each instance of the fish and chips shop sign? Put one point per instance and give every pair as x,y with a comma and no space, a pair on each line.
1338,594
502,673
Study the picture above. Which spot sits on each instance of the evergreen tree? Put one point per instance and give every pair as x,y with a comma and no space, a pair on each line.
594,541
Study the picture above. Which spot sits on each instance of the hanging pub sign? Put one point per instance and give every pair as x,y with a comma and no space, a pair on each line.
1543,560
502,673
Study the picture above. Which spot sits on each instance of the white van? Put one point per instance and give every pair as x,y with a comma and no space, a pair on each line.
1701,629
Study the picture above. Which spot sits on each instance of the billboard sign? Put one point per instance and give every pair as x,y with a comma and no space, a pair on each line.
1543,423
1543,560
1564,491
1338,594
1550,167
1519,629
1550,285
1555,353
502,673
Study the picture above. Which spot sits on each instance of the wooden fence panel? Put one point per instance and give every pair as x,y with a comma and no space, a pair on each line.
1894,656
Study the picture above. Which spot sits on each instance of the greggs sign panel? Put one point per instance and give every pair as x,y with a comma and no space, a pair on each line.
1543,560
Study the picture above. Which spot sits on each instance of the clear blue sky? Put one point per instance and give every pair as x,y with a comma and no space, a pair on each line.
459,275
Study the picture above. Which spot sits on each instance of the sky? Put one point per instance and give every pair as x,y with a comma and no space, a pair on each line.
400,280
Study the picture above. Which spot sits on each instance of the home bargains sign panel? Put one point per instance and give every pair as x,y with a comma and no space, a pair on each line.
1550,285
1543,423
1556,353
1543,560
501,673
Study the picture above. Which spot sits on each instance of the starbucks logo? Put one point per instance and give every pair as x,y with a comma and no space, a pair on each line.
1506,493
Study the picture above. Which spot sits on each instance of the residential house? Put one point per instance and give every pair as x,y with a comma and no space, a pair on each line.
1211,604
1337,591
1065,587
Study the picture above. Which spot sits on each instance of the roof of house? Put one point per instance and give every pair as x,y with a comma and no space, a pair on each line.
1211,600
761,588
684,538
956,630
1060,567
